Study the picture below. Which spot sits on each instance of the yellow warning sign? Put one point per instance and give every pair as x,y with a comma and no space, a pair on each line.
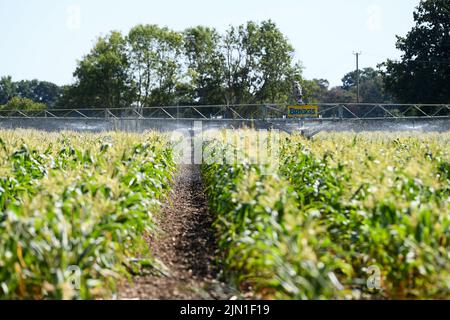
305,111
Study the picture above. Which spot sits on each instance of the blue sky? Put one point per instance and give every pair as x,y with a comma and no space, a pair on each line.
44,38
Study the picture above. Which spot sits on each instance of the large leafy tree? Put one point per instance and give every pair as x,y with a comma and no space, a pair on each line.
423,73
102,76
259,64
205,65
8,89
155,64
240,63
275,67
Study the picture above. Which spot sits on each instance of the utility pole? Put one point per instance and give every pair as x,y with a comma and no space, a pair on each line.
357,54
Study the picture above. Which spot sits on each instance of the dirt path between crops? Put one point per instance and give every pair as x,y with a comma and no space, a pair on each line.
186,248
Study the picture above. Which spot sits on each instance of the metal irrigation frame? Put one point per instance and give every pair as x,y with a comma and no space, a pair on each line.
326,111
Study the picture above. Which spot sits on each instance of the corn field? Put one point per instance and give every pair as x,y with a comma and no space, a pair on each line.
339,216
81,200
341,210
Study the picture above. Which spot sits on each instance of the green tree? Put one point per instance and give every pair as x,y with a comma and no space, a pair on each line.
154,54
259,66
8,89
205,65
239,63
339,95
39,91
315,90
102,76
17,103
371,86
373,91
423,73
275,69
366,74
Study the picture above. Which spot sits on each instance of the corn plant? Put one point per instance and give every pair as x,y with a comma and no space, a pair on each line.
77,200
339,205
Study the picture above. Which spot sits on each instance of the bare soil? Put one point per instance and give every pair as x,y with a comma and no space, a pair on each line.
185,249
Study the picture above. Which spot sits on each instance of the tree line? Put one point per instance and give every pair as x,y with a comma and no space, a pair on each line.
248,64
156,66
28,94
372,89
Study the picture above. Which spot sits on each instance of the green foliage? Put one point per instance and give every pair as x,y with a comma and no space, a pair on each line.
379,206
423,73
265,241
154,63
7,89
156,66
339,206
80,200
370,83
38,91
371,89
102,78
366,74
314,90
17,103
258,64
205,65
